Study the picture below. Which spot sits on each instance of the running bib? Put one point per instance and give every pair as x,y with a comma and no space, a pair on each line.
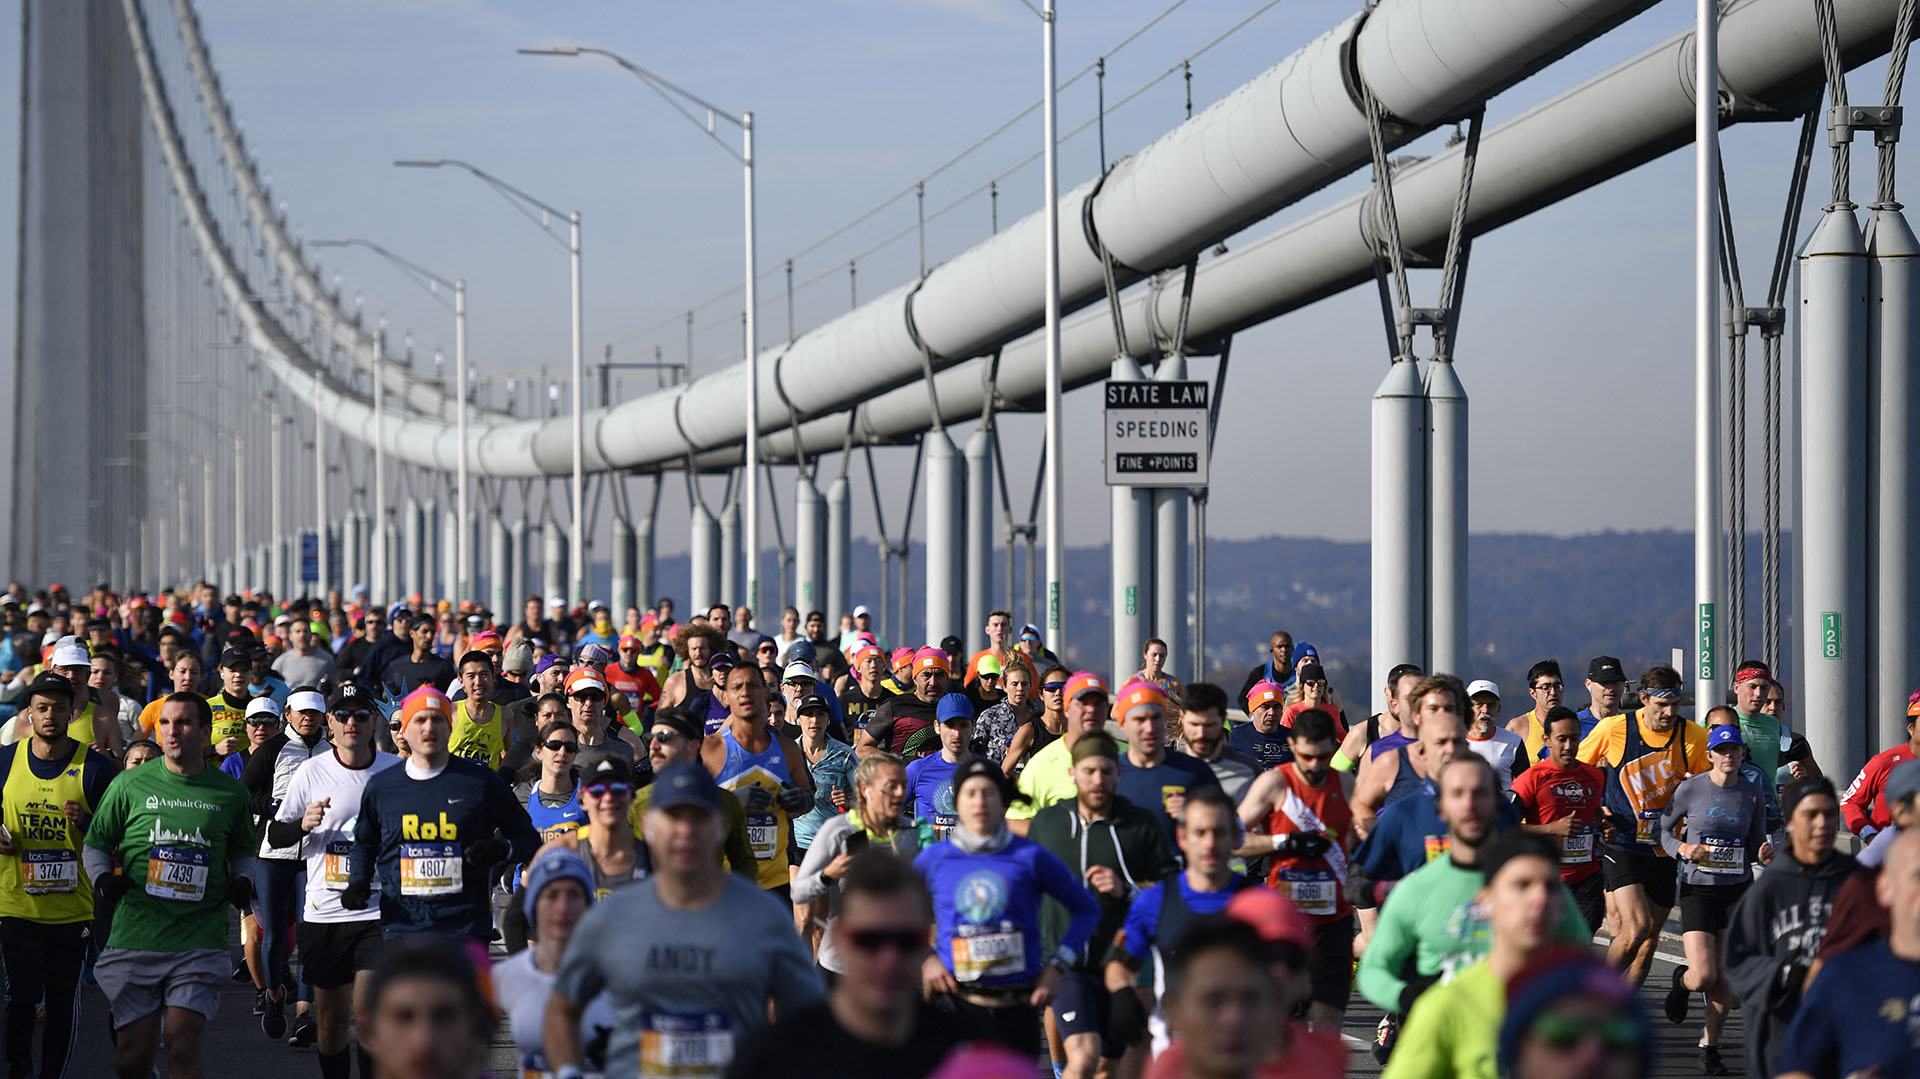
763,834
177,873
333,864
1726,855
430,869
1646,826
49,872
989,955
685,1045
1576,848
1312,890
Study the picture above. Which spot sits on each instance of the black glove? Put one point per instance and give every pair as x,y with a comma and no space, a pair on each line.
1303,844
488,851
357,895
794,800
594,1053
239,893
755,799
112,886
1792,973
1126,1017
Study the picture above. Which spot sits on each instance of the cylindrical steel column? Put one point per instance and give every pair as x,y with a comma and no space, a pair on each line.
353,553
1132,526
1447,514
729,553
1833,328
410,548
703,561
839,546
1893,498
809,535
1172,602
946,523
979,554
448,562
519,559
1399,574
499,575
620,560
276,569
643,583
553,565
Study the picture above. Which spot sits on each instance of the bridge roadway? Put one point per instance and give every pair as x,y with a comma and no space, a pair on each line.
236,1047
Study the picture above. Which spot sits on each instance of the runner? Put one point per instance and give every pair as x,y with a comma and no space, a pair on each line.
1546,686
1865,803
997,724
1779,925
1278,667
430,832
230,704
1116,847
599,737
422,666
1043,728
268,774
1162,914
930,779
877,822
1312,692
560,889
50,785
1381,732
426,1014
1432,917
1560,798
999,631
1392,775
184,836
898,718
1569,1014
1298,815
304,663
988,885
1760,731
831,763
766,770
183,675
1048,776
1453,1030
316,816
1151,775
1503,749
479,725
1713,828
1645,757
1203,734
869,686
1261,736
606,840
1153,669
1606,688
688,958
693,686
676,739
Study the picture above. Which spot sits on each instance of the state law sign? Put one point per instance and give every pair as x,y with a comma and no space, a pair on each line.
1156,434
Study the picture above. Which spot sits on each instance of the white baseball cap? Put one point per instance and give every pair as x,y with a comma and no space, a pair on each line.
263,706
1482,686
861,609
306,701
799,669
70,653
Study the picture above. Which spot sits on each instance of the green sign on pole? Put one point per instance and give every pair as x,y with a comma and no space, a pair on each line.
1830,634
1053,612
1133,599
1708,656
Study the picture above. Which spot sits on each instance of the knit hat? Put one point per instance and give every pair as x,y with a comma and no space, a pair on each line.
518,658
1560,974
558,863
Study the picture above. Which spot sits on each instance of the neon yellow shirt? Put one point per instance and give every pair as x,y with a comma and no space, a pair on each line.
1453,1030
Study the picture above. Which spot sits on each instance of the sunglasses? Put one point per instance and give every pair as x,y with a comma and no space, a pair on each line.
561,745
261,722
606,790
1566,1032
1052,687
355,714
664,736
394,724
874,941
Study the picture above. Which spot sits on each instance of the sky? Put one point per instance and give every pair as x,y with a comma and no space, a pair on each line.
1575,343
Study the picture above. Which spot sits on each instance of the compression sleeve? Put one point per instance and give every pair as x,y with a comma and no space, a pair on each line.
1387,953
1343,763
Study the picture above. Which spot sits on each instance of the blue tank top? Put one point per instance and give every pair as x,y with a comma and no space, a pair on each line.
769,830
554,822
1405,781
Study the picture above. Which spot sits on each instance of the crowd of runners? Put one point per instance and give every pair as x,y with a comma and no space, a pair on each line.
666,844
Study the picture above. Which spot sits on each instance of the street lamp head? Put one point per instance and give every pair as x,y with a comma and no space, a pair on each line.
552,50
420,163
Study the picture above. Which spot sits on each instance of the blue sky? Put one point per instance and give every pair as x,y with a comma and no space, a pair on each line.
1581,421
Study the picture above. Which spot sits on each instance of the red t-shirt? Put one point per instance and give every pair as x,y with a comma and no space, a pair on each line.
1548,793
640,686
1864,804
1310,1054
1316,885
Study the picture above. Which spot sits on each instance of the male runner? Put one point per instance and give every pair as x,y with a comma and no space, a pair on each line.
49,787
676,739
1560,798
1151,775
1048,776
1381,732
1865,803
431,831
480,730
869,686
183,833
266,777
899,718
1546,686
1502,748
1606,689
1391,776
766,770
930,779
1203,733
1261,736
317,814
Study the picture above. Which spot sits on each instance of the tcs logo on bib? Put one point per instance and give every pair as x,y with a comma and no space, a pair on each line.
411,828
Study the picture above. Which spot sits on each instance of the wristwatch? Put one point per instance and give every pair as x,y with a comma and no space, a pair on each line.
1061,961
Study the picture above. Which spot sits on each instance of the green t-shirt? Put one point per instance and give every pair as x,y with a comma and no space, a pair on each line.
175,836
1434,916
1761,733
1454,1029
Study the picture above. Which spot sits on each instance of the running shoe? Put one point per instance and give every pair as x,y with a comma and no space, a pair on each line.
1677,996
273,1019
259,1002
1710,1062
1384,1036
305,1030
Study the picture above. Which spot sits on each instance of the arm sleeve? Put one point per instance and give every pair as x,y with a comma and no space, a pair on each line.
1675,813
1387,953
808,884
515,825
96,862
1059,882
1143,920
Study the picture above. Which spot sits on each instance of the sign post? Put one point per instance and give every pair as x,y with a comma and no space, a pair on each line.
1156,434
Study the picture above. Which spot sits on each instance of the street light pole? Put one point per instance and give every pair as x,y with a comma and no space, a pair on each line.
463,540
753,387
1056,436
579,538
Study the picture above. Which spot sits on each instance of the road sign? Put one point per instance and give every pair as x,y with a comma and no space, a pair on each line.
1156,434
309,556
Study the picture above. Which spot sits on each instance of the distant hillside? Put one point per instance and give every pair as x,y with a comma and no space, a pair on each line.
1627,594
